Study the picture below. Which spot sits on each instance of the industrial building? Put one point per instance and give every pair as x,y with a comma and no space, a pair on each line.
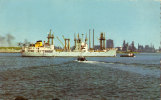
109,43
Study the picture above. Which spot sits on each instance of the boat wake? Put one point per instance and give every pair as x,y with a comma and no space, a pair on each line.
134,68
90,62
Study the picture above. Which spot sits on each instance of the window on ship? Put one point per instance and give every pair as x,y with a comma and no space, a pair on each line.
31,50
48,51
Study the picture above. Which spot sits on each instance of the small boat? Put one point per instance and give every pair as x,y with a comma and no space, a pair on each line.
128,55
81,59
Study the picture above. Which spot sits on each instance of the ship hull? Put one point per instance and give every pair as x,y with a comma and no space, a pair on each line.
110,53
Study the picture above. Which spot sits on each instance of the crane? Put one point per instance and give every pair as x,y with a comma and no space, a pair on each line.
63,37
60,41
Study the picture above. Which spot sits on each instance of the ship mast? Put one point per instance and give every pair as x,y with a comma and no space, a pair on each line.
50,36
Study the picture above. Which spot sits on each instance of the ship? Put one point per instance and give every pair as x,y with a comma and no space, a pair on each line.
128,55
47,49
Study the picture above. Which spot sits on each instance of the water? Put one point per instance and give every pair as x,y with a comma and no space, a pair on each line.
106,78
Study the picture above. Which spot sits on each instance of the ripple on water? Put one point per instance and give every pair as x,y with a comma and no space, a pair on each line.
92,80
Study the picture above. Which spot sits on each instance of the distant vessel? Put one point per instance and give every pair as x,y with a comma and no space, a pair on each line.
81,59
80,48
128,55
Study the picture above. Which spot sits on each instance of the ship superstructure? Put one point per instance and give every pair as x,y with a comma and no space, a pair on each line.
80,48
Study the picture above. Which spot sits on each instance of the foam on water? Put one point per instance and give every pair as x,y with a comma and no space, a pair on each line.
131,68
90,62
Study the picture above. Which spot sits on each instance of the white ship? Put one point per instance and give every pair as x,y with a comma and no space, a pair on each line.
80,48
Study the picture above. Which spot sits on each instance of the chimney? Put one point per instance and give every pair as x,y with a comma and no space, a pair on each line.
89,40
93,38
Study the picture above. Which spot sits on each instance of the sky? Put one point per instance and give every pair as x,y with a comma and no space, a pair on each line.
130,20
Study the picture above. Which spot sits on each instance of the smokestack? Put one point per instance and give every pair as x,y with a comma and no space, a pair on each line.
93,38
89,40
104,41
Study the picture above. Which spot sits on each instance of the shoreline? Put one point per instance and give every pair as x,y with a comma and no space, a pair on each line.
10,51
19,51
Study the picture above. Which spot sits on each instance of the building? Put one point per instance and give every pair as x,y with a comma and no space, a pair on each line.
147,48
132,47
125,46
160,49
109,43
140,48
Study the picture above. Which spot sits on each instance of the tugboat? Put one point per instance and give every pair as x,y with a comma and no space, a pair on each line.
129,55
81,59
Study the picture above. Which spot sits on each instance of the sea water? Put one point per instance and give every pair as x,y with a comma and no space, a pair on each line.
99,78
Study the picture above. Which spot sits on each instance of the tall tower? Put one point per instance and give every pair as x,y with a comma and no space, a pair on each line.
89,40
160,40
93,38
